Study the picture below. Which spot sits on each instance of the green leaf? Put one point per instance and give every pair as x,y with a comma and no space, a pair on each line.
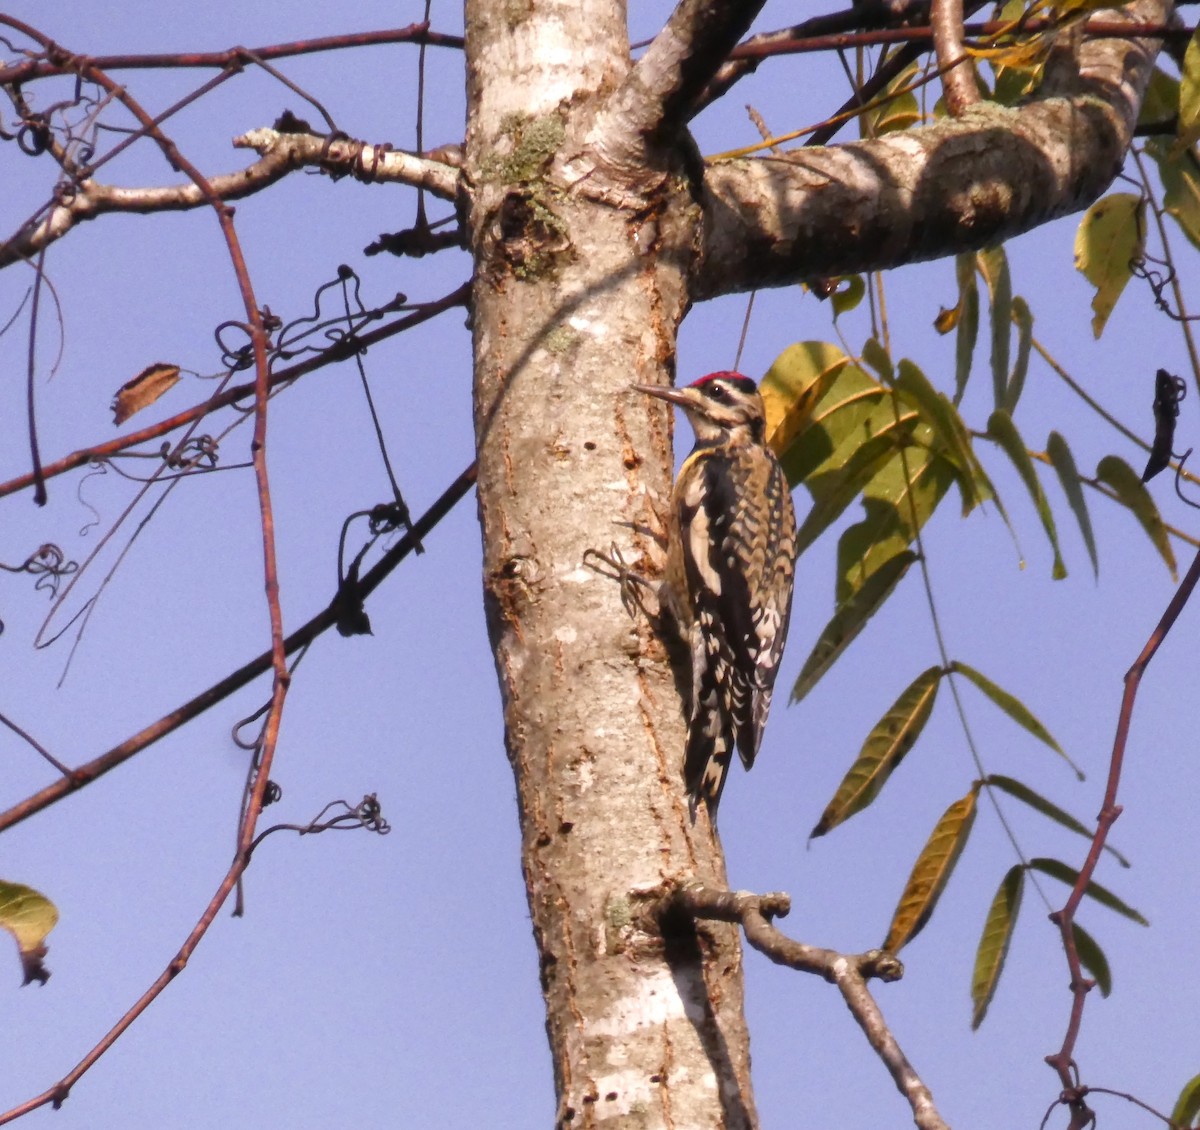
835,489
28,916
1056,869
963,316
1068,476
968,322
1015,709
1160,103
1131,492
849,620
1180,173
993,265
793,385
849,293
1110,236
1189,93
887,743
1039,803
1187,1106
915,481
878,358
1092,958
899,112
844,408
1022,74
948,428
931,872
1004,431
1023,319
994,941
1016,60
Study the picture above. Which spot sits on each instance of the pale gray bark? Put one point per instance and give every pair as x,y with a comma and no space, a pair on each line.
573,301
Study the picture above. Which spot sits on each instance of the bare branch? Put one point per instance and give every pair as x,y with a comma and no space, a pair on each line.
1063,1061
850,972
94,199
367,814
281,154
866,14
61,63
345,156
958,73
918,194
758,48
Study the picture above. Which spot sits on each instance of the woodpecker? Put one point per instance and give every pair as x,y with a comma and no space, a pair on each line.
731,552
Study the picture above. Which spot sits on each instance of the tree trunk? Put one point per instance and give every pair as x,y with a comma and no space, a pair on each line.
574,300
593,226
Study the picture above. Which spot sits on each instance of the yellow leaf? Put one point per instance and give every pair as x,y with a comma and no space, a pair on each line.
1180,172
794,384
931,872
947,319
1161,100
1110,236
28,916
898,108
1127,484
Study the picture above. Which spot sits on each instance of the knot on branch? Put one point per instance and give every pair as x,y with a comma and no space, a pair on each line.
881,965
701,901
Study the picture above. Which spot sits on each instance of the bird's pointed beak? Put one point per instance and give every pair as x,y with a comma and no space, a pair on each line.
665,392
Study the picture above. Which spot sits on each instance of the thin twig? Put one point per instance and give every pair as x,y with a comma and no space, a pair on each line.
30,740
335,352
1180,304
92,770
278,660
42,67
39,479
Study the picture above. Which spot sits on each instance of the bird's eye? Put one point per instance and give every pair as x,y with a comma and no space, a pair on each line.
714,392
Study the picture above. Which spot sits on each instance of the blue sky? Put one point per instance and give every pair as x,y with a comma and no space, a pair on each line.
394,979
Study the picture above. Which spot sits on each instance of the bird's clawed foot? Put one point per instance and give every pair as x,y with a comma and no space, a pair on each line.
633,584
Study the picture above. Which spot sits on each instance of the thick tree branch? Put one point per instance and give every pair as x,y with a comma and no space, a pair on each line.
925,193
850,972
92,199
656,96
